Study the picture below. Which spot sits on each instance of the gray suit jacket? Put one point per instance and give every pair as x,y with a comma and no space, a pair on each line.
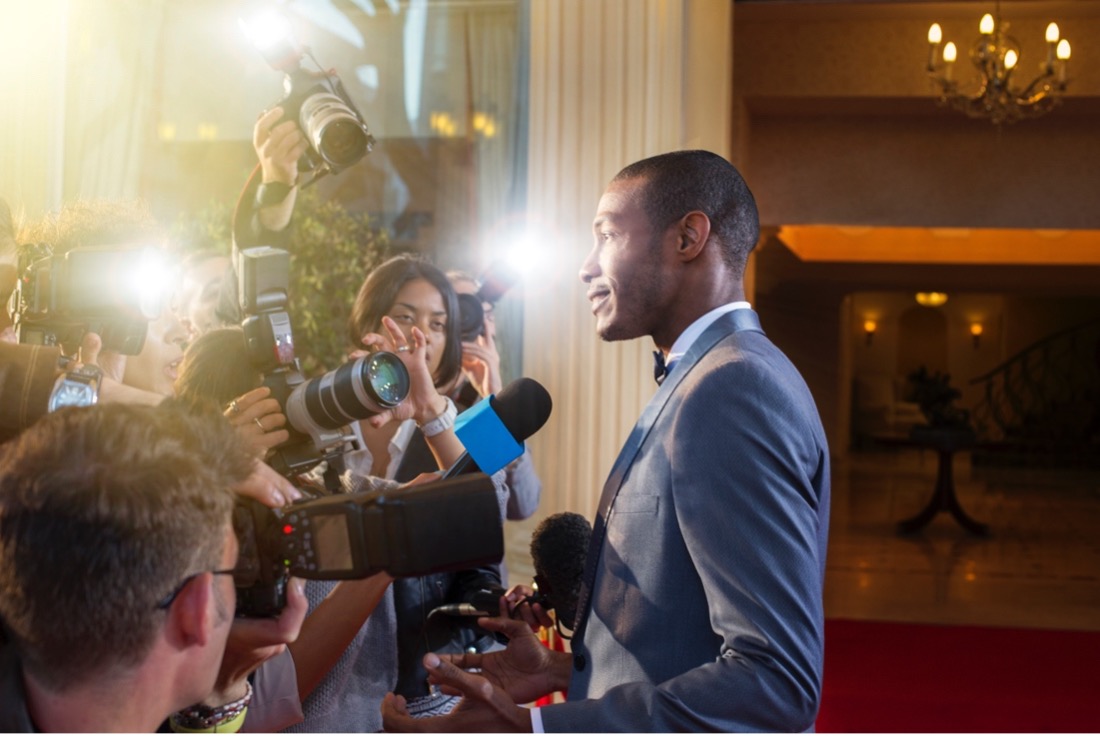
704,609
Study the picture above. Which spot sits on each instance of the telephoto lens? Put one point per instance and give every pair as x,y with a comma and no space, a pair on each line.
356,390
334,130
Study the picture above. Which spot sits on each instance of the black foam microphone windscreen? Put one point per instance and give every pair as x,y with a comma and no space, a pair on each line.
523,407
559,548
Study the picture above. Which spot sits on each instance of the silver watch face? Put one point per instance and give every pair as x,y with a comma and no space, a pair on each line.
72,393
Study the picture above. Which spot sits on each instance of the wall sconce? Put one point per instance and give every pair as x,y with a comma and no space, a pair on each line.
976,333
869,328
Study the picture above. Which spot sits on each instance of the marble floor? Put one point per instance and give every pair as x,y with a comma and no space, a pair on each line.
1038,567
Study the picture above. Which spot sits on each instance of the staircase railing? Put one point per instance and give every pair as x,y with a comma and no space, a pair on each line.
1047,396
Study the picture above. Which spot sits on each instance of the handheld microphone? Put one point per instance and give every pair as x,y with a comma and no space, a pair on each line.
494,429
559,549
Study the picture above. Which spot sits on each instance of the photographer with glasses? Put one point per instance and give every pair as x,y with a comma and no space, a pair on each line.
115,538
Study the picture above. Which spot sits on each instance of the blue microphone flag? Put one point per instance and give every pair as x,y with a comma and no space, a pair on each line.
485,437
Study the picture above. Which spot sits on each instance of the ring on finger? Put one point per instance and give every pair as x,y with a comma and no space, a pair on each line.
234,408
259,424
402,348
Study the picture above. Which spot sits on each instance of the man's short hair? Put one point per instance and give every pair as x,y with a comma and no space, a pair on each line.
682,181
103,512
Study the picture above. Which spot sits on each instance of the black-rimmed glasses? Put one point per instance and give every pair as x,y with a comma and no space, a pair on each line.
166,602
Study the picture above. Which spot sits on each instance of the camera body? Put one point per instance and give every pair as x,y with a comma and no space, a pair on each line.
337,134
471,317
317,409
101,289
493,284
433,527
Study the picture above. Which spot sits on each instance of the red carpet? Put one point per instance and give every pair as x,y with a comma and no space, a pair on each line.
919,678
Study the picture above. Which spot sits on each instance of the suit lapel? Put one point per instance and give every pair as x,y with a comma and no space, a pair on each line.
736,321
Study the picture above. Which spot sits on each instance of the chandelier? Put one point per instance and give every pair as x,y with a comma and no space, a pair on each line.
997,56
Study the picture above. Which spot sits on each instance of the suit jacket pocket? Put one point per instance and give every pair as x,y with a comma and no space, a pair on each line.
633,504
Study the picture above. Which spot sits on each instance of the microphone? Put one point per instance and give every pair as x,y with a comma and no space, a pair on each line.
559,549
494,429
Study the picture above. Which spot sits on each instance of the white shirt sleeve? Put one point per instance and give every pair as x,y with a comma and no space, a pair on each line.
536,721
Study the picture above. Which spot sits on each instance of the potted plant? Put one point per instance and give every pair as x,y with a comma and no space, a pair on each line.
936,397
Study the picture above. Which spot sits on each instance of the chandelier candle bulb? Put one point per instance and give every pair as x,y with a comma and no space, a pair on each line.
1052,43
1063,59
985,26
935,35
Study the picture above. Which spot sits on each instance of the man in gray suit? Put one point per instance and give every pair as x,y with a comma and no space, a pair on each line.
702,602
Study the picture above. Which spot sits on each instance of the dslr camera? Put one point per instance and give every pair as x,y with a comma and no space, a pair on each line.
110,290
317,409
316,99
433,527
338,135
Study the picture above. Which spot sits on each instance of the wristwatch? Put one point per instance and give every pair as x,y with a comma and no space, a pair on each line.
441,423
76,387
271,193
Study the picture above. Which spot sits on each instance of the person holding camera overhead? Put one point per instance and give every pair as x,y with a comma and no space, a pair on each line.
414,297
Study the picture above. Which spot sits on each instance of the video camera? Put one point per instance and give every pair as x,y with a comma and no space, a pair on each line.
113,291
317,409
433,527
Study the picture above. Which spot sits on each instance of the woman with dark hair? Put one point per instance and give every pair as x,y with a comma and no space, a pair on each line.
393,289
415,295
418,296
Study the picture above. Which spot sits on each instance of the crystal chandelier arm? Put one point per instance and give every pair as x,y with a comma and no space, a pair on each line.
1040,87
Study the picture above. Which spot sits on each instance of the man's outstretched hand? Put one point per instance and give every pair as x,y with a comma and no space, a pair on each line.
524,671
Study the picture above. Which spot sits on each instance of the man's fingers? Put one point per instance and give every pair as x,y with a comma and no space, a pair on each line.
90,345
510,627
456,681
294,613
395,716
465,660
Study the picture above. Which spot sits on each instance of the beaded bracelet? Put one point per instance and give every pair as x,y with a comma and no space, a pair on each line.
206,719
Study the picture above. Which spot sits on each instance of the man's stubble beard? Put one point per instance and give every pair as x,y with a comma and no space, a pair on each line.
645,289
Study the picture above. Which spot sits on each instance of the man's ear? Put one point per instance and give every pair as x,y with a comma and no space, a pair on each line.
693,235
191,617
